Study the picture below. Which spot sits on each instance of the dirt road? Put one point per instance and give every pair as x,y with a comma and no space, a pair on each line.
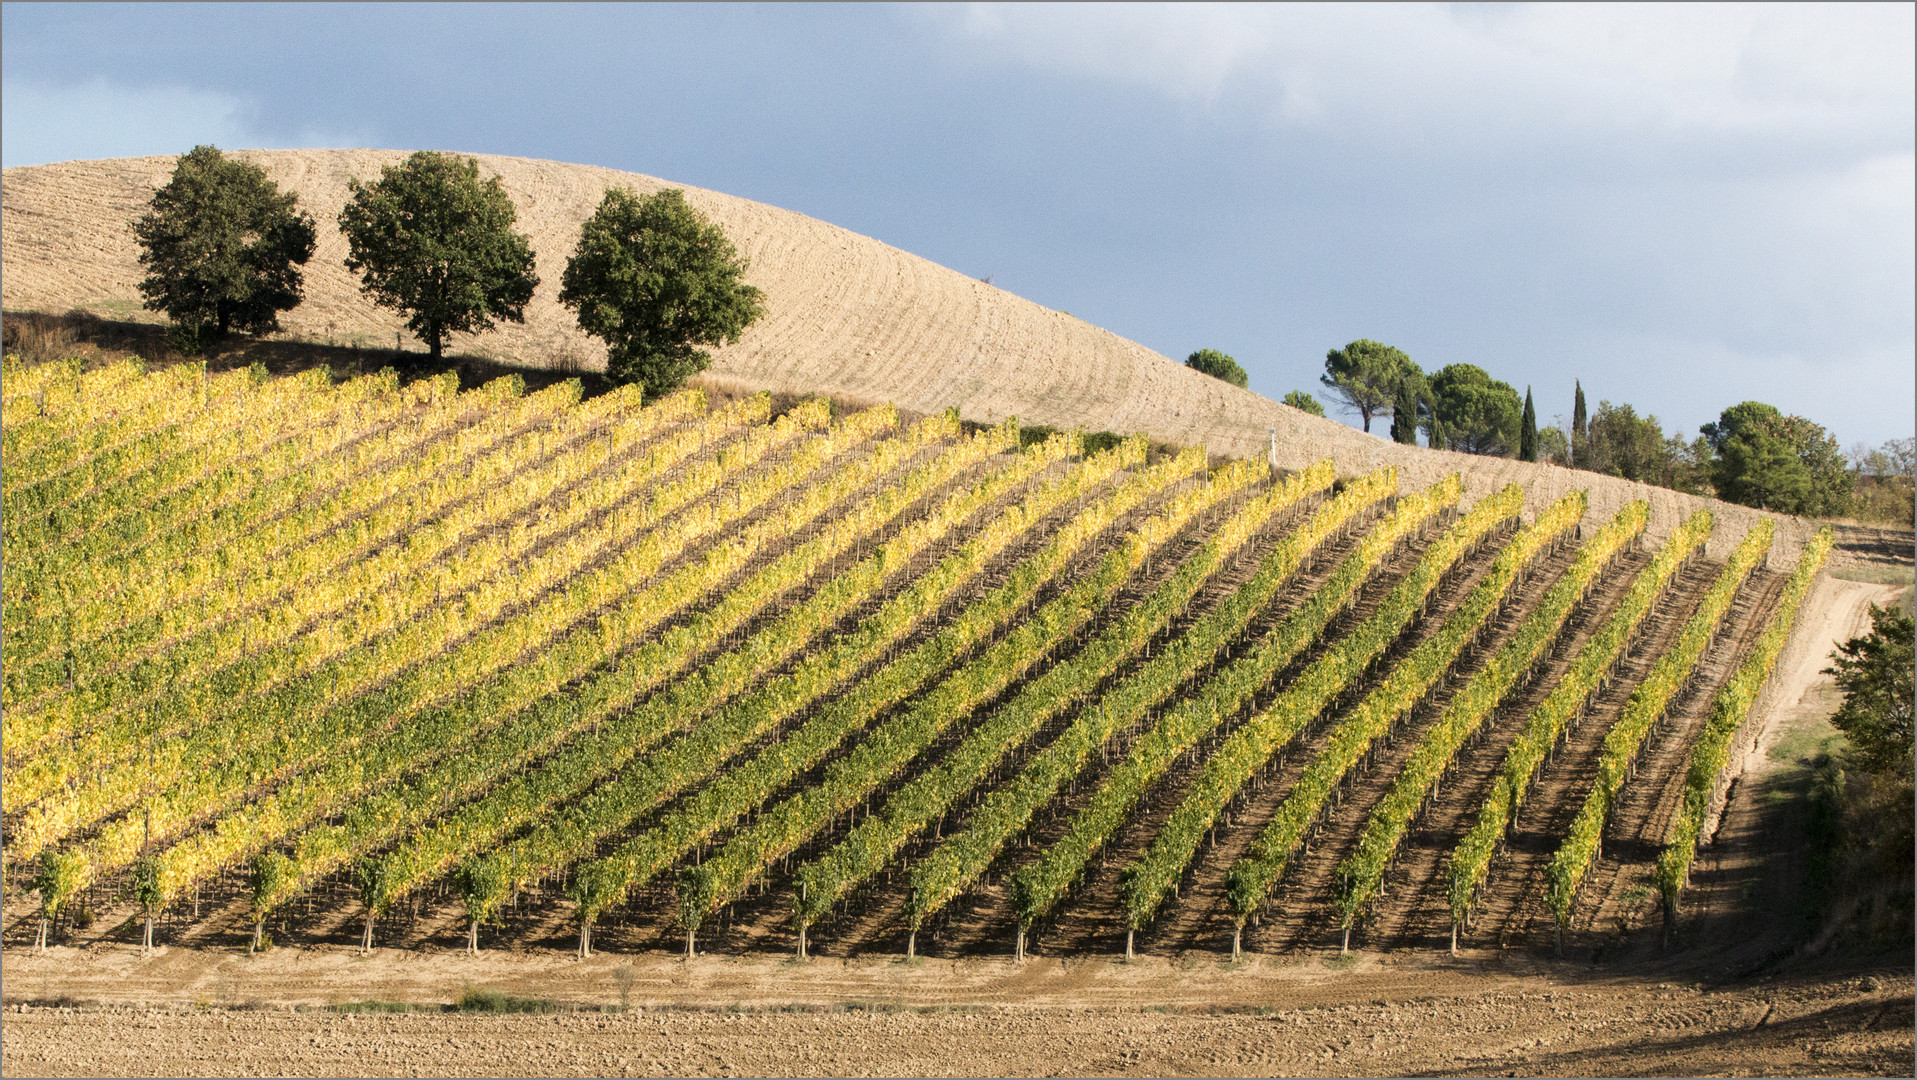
1303,1015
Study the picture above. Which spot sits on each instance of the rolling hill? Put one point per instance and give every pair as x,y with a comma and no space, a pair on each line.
847,315
368,660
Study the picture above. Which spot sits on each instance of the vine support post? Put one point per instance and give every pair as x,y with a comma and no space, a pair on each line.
691,943
1130,933
1018,949
472,936
1237,942
912,943
1344,946
259,928
366,943
146,944
1454,937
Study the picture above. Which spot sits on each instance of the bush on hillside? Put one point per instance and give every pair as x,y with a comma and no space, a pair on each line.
655,280
222,247
1218,366
434,242
1304,402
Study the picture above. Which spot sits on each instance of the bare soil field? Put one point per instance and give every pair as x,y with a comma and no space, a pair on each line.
1296,1016
846,315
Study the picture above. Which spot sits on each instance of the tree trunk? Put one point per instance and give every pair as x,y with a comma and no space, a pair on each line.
1454,937
147,945
366,943
472,937
1129,954
259,929
802,955
912,943
436,342
585,939
1018,950
1237,943
41,944
1344,947
691,945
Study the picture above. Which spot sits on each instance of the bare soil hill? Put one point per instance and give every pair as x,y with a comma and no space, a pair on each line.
847,315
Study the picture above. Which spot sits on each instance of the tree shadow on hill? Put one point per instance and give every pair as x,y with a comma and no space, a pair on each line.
39,337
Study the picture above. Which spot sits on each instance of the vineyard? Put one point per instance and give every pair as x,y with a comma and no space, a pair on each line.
399,664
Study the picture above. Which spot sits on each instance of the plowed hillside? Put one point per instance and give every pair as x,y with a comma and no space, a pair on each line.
847,315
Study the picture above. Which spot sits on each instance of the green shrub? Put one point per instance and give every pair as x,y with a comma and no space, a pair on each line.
486,999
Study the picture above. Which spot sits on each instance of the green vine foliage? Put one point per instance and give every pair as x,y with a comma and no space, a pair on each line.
1711,755
1667,678
1251,880
962,857
1361,874
1594,664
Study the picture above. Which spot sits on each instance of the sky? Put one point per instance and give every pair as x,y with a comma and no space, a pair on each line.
1682,207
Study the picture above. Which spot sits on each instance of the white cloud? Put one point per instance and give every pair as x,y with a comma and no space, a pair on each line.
41,122
1817,71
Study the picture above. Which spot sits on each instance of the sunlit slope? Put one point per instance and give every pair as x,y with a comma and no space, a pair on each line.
846,315
278,650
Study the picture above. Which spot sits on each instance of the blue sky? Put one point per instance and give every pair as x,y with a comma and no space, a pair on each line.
1684,207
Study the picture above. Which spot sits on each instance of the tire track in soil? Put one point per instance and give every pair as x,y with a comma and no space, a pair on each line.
1300,912
1093,913
1417,886
982,922
1515,884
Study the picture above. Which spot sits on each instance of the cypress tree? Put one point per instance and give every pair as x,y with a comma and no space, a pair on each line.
1578,431
1404,414
1528,430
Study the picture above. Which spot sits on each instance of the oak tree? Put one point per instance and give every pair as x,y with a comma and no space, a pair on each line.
222,246
433,241
655,280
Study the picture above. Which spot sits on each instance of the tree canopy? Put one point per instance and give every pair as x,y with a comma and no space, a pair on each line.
223,247
1619,442
1477,413
1765,459
1218,366
1875,674
1304,402
433,241
1365,377
654,280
